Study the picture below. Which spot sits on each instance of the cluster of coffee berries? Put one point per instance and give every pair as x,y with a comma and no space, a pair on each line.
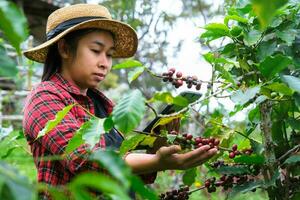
234,151
187,141
226,181
218,163
177,79
180,194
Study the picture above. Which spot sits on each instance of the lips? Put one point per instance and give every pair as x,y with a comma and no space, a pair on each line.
99,76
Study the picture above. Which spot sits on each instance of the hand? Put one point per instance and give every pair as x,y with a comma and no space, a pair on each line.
169,158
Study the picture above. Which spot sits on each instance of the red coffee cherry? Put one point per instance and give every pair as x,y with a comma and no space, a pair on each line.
234,147
207,183
172,69
179,74
189,136
231,155
179,82
217,142
198,140
198,86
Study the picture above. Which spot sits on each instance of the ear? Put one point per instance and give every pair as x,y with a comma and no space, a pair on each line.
63,49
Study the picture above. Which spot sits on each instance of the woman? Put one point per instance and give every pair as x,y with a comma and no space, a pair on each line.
81,41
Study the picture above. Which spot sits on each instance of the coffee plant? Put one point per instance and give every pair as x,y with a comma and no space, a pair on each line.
254,55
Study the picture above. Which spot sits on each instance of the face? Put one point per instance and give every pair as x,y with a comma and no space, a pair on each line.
92,62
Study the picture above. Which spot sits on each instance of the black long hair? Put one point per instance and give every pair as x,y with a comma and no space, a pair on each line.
53,60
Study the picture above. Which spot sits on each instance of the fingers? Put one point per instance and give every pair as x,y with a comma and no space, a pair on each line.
197,156
206,156
167,151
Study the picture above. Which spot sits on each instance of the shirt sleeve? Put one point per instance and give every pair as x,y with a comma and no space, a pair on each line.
42,107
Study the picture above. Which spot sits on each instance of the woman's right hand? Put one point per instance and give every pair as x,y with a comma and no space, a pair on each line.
170,158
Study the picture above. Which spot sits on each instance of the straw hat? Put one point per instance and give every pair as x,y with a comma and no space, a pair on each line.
82,16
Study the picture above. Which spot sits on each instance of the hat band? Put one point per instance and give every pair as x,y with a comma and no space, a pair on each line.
68,24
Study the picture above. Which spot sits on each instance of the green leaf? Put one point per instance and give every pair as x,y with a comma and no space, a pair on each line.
85,181
252,37
242,4
280,88
292,160
228,48
148,141
224,73
74,143
168,98
112,162
254,115
16,31
215,31
292,81
294,123
235,18
9,151
246,187
189,176
128,64
171,138
241,97
256,147
273,65
261,6
265,49
15,184
129,111
134,74
287,35
139,187
8,66
212,59
236,31
250,159
233,170
89,133
92,130
108,124
131,143
51,124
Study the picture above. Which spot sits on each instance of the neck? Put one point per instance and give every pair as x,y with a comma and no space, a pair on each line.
66,76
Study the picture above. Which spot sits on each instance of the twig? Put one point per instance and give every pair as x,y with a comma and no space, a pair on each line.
194,103
224,126
195,190
149,106
294,149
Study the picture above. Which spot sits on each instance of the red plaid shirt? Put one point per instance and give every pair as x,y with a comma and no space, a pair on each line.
41,105
45,100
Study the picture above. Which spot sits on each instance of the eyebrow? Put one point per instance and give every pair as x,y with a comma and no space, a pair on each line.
102,44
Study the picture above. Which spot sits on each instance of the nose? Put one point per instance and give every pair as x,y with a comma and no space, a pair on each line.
103,62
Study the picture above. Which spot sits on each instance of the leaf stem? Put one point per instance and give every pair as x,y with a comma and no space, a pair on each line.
154,111
197,189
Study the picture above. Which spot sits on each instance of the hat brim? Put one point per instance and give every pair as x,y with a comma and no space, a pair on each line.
125,39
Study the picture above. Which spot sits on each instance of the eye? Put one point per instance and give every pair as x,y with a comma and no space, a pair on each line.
95,51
